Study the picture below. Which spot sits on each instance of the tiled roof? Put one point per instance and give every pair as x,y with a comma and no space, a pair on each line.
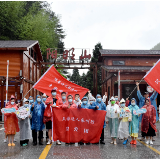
17,43
108,51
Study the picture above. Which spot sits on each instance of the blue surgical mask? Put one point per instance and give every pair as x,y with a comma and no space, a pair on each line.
133,104
54,93
91,102
84,102
12,103
69,100
26,105
99,99
123,105
31,101
116,99
38,99
44,99
63,97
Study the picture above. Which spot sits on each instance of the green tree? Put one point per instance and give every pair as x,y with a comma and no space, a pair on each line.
76,78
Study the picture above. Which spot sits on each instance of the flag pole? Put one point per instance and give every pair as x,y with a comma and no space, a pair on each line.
119,84
135,87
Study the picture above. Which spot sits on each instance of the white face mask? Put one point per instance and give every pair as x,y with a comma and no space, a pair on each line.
12,103
70,100
133,104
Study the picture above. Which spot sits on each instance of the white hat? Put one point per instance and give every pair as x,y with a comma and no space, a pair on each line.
112,98
25,100
44,94
122,101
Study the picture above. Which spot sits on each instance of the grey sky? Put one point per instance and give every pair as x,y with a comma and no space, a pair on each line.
116,24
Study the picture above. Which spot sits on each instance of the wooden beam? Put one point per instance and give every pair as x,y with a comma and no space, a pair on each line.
107,78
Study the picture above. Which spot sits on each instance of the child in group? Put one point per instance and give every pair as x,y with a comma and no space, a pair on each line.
77,100
112,119
123,130
37,120
148,126
11,122
24,124
133,125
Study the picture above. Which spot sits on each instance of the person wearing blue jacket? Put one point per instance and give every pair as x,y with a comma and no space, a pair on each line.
134,124
85,103
99,105
37,110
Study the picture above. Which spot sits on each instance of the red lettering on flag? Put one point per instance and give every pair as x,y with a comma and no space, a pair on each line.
53,79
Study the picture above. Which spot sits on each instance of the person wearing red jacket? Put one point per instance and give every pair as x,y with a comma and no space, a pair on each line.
11,122
70,104
52,101
148,126
63,100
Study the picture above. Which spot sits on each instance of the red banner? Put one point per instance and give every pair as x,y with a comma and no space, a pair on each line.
153,77
53,79
75,125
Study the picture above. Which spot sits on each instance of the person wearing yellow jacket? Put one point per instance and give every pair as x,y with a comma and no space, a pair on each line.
125,117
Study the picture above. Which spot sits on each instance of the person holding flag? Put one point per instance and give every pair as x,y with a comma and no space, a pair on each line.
52,101
99,105
63,100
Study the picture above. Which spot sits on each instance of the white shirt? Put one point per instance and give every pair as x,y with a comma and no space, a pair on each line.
77,102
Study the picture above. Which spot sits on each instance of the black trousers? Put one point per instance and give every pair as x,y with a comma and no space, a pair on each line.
102,135
24,141
35,136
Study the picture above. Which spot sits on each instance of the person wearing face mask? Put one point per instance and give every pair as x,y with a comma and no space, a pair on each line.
37,120
31,101
77,100
112,119
99,105
24,125
148,126
117,101
11,122
63,101
134,124
52,101
44,97
85,104
123,130
71,104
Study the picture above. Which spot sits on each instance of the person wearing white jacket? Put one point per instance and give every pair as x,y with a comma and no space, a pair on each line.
112,119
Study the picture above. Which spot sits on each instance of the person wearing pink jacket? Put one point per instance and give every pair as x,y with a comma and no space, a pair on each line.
70,104
62,101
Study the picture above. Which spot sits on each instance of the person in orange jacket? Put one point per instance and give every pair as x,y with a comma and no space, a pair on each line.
11,122
70,104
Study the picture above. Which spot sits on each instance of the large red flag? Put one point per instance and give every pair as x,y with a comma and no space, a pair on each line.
53,79
75,125
153,77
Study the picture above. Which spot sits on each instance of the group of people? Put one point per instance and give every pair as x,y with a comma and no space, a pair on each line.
41,116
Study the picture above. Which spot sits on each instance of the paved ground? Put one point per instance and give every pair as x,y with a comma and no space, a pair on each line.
140,151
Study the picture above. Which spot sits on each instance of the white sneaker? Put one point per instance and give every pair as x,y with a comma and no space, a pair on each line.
58,142
150,142
5,141
49,142
147,142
